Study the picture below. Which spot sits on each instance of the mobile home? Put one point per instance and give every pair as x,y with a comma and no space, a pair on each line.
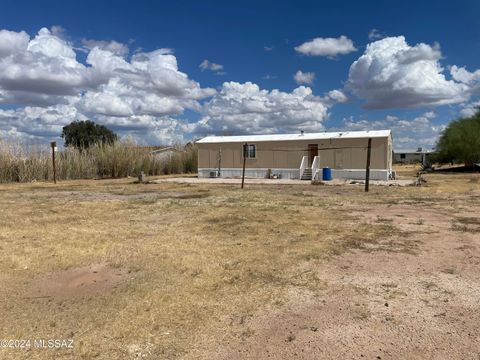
420,155
297,156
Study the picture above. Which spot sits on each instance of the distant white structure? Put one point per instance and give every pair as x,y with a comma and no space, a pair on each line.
165,153
410,156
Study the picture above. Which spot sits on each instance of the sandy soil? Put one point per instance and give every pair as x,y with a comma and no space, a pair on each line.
256,181
76,283
416,298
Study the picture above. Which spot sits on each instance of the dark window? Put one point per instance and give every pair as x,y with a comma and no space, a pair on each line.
402,156
249,151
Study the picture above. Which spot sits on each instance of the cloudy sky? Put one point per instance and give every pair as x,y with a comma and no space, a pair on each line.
168,72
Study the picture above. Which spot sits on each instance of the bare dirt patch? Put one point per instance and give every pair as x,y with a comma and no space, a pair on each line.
375,306
72,196
412,295
78,283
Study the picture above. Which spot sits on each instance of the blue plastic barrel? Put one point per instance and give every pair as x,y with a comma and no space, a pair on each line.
326,174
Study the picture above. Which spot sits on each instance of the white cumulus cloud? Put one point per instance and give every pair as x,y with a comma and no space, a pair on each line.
330,47
304,77
156,72
113,46
33,122
470,109
393,74
40,71
208,65
43,75
337,96
245,108
12,42
461,74
375,34
421,131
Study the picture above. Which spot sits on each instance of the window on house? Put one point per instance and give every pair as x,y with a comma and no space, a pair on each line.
402,156
249,151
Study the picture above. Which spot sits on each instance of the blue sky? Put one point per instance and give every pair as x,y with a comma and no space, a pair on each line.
101,60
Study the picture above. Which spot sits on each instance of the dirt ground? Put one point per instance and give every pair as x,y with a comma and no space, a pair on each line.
417,300
256,181
205,271
80,282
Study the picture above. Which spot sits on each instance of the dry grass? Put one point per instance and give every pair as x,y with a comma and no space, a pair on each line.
466,224
23,163
197,258
409,170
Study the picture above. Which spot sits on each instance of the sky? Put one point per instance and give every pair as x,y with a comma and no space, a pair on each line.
168,72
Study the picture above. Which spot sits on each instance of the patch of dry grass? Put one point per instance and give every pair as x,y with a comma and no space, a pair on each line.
22,163
197,256
466,224
408,170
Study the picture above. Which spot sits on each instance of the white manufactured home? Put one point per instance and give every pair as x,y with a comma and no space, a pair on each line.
420,155
297,156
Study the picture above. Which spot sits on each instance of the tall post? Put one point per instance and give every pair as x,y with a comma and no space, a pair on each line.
53,144
219,162
367,170
244,159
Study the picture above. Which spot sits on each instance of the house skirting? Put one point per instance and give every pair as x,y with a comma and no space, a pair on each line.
250,173
350,174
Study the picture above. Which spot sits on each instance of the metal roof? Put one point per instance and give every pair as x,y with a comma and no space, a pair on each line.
289,137
164,150
413,151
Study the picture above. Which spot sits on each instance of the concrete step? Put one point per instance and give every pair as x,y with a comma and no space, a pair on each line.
307,174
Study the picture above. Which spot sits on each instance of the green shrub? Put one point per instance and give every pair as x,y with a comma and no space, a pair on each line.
460,141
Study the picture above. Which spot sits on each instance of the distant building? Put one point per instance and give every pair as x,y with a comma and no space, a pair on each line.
165,153
418,156
296,156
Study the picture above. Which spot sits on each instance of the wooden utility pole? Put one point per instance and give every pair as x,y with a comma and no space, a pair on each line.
244,159
219,162
53,144
367,170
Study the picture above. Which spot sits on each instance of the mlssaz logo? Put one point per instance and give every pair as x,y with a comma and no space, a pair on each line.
54,343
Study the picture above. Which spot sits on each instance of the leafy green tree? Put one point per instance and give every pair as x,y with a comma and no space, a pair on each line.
460,141
83,134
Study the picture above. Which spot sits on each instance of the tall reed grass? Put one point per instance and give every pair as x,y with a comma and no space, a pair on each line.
24,163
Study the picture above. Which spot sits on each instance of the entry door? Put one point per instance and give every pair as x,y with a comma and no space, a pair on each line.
338,159
312,152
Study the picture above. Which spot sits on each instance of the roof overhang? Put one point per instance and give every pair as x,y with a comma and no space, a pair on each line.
296,137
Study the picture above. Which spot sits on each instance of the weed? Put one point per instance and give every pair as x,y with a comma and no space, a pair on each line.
389,285
381,219
22,163
468,220
429,285
466,224
450,270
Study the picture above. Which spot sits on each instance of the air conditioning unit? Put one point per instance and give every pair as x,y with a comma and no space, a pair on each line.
213,174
